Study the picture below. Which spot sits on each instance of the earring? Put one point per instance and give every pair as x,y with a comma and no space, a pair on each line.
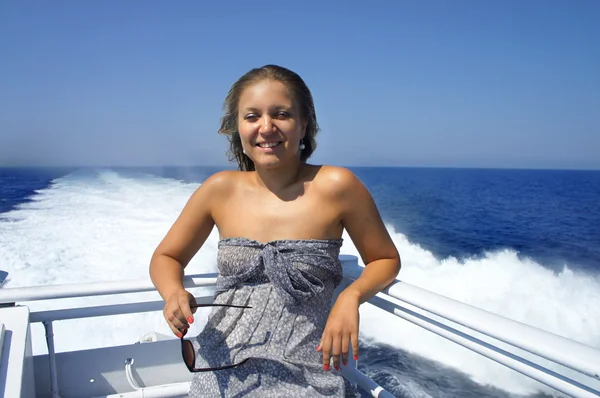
302,146
244,151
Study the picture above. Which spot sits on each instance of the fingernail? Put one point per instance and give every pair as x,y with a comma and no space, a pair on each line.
190,319
326,367
319,346
337,367
356,357
344,363
179,335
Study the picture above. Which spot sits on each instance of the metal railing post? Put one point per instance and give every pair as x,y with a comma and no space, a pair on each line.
51,358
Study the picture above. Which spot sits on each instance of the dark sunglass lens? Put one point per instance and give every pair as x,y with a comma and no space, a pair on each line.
188,353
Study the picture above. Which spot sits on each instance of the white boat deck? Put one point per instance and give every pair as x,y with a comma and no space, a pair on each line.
155,368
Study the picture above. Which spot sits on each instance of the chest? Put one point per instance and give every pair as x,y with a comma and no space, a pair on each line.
267,217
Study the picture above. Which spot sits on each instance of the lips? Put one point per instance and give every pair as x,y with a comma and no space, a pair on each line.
267,145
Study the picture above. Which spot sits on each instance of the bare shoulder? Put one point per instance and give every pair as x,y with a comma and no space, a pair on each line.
196,220
338,177
221,182
223,179
358,213
339,181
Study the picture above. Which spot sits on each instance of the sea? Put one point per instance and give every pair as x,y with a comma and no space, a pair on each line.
524,244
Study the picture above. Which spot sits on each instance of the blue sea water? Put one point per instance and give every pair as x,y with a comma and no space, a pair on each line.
552,216
548,217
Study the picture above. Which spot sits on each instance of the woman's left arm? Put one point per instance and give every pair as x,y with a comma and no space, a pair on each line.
362,221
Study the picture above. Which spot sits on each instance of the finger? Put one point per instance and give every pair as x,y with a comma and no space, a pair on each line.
355,345
178,328
184,306
176,324
176,331
177,318
193,305
326,347
336,350
345,348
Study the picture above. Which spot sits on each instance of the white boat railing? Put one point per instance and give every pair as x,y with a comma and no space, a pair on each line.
438,314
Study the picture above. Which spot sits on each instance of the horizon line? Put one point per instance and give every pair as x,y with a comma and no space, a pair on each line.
230,166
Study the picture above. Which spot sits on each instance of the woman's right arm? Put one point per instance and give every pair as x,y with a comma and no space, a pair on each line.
182,242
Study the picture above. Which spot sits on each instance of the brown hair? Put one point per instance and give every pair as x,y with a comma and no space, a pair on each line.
302,95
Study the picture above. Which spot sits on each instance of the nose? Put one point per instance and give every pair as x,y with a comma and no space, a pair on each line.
266,125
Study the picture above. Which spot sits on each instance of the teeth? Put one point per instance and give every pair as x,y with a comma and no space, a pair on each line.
268,144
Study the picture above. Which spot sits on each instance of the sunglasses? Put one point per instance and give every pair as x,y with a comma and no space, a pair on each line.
189,354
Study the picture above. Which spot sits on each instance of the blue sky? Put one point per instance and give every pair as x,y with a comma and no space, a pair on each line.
406,83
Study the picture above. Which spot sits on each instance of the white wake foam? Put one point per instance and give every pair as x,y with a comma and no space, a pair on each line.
567,304
104,226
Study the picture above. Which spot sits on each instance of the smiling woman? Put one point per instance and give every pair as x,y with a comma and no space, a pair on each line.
280,220
291,107
270,123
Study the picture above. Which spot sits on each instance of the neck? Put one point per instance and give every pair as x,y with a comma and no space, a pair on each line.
276,180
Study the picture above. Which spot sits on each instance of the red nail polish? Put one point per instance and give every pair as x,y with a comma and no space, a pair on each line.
337,367
344,363
179,335
356,357
326,367
190,319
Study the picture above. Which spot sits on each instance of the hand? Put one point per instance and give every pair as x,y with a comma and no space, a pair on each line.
341,329
178,312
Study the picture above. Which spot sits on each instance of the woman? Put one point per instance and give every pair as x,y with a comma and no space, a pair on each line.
280,222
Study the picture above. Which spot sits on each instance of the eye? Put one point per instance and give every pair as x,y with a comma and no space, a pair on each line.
251,117
282,115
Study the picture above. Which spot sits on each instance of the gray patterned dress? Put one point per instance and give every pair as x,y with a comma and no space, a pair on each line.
289,285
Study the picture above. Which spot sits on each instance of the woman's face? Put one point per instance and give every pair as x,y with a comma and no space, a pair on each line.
270,124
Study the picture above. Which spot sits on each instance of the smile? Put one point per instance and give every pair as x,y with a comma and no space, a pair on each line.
268,144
